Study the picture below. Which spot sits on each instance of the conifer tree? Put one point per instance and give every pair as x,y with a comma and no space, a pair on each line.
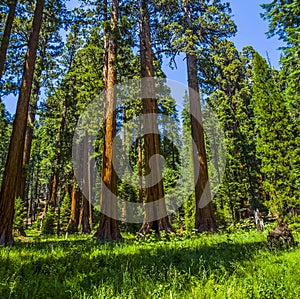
6,35
15,153
273,135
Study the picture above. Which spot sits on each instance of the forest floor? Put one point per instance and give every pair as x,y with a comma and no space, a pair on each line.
236,265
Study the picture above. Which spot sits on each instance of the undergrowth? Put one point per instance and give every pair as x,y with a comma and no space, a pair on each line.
235,265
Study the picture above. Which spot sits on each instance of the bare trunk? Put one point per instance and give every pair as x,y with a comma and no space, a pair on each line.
53,195
74,217
84,216
151,141
205,215
140,170
89,174
6,35
109,229
16,147
84,211
20,190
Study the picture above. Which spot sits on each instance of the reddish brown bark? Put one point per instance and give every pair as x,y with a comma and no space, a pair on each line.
15,152
53,190
6,34
109,229
20,189
205,215
151,141
84,219
74,217
140,170
84,216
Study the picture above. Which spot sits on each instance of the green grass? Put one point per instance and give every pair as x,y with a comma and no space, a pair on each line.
206,266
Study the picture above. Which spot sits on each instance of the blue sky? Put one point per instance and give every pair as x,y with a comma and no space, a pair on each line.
251,32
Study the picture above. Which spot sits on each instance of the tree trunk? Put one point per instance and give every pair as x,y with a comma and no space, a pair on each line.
6,35
84,221
21,189
140,170
109,228
16,147
205,215
89,175
85,209
151,141
74,217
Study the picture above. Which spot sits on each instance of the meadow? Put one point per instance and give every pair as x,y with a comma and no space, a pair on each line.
223,265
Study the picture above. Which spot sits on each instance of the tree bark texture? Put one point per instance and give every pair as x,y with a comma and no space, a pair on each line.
154,191
109,228
205,216
6,35
16,147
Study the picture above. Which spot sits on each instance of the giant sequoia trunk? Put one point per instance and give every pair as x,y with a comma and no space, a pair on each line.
109,228
16,147
154,191
6,34
205,215
21,188
21,184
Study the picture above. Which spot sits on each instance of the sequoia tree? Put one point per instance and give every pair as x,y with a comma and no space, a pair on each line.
154,182
16,147
108,228
204,216
6,34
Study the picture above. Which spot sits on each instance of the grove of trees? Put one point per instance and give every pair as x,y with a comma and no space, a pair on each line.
57,61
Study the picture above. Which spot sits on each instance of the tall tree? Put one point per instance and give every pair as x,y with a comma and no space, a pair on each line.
15,153
273,136
109,229
283,17
193,27
50,46
231,102
6,34
204,216
154,181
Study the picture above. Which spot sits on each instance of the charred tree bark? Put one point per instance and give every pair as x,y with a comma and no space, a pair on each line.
16,147
109,228
205,216
154,182
6,35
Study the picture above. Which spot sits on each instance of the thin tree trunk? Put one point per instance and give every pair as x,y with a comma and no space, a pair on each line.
140,170
90,188
84,211
151,141
16,147
109,228
6,35
205,215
